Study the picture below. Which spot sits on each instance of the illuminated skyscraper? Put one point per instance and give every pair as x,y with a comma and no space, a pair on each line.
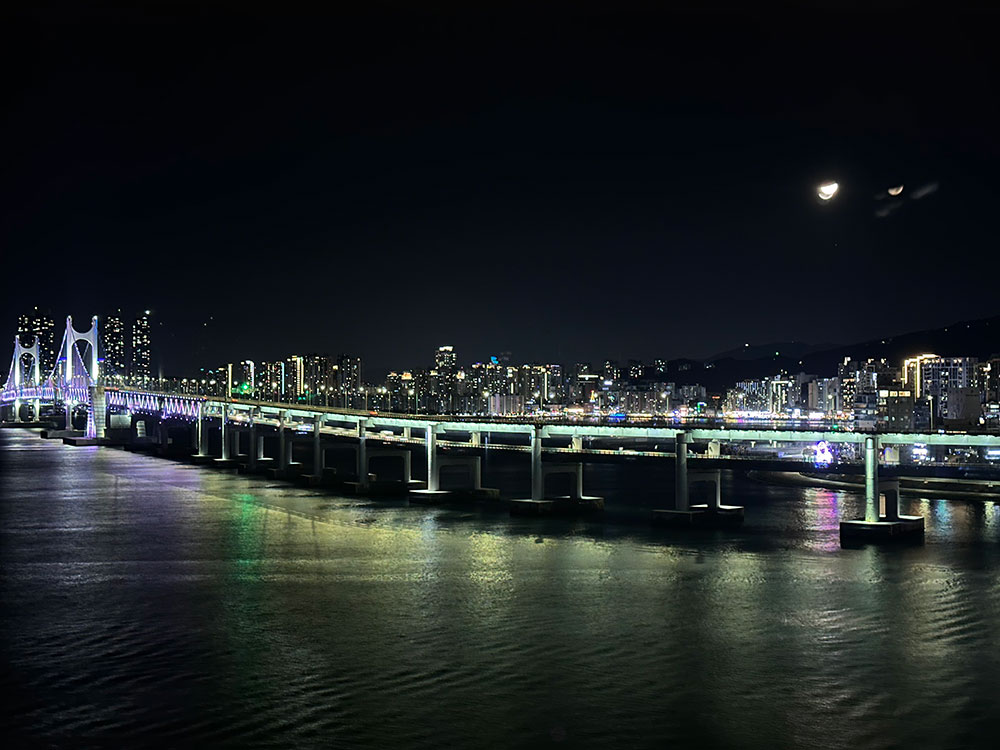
37,324
113,348
940,375
445,364
142,354
349,381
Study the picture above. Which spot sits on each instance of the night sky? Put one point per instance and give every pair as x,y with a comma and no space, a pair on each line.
563,188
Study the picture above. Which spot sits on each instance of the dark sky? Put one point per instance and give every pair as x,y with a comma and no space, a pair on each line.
565,188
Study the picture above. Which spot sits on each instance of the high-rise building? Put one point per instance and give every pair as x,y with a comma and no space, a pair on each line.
295,375
350,380
316,378
114,347
912,372
39,325
446,367
939,375
141,370
271,381
895,408
245,378
991,384
824,395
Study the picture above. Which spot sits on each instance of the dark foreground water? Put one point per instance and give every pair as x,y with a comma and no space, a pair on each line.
146,602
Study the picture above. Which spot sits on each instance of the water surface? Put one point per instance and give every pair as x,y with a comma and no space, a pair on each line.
146,602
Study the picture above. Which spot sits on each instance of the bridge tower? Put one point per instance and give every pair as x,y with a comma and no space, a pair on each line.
78,383
15,389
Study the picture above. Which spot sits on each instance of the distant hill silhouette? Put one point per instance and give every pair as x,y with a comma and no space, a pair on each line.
763,351
975,338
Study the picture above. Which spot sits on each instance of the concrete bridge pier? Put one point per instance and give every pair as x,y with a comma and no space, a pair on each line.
253,449
163,435
539,504
318,455
287,465
877,526
201,434
711,514
318,446
376,486
363,478
225,438
433,493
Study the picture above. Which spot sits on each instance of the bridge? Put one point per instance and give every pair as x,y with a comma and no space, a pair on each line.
237,428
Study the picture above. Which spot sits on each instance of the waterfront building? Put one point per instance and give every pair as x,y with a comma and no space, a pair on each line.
141,368
939,375
39,325
114,348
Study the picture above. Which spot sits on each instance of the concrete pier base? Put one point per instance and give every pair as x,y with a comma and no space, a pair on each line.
532,507
293,469
436,497
60,434
262,465
86,441
701,516
384,488
860,531
430,497
565,505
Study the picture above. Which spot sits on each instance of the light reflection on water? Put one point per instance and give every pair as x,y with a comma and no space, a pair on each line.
160,603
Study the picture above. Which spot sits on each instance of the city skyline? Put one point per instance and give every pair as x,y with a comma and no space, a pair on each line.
916,393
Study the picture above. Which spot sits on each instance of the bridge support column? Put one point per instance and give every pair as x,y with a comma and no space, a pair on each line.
681,472
537,478
201,433
712,513
576,443
407,432
234,452
875,527
871,480
363,453
475,439
98,406
17,410
282,443
318,446
433,472
890,489
224,436
38,410
255,443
